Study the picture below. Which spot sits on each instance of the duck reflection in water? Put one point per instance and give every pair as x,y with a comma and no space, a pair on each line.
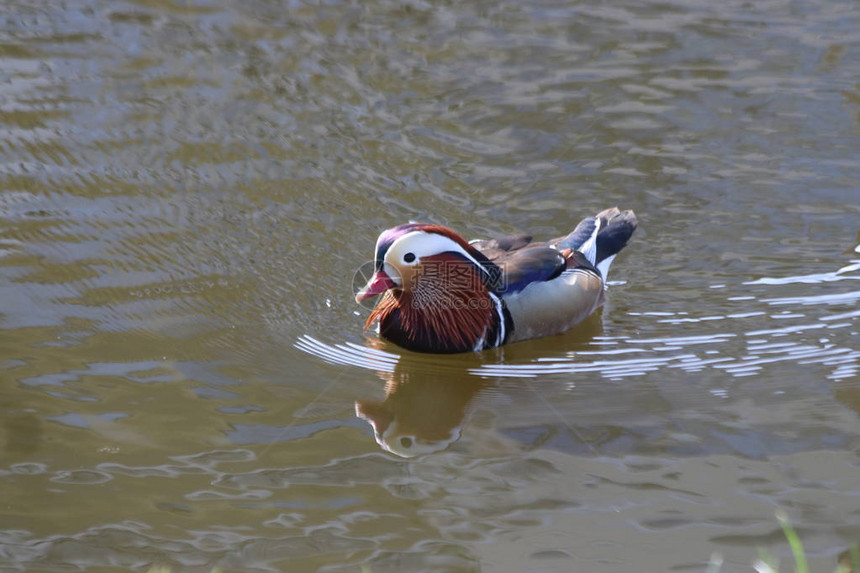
428,399
425,405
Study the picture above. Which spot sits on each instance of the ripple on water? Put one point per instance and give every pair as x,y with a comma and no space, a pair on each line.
661,353
814,337
349,354
81,477
366,469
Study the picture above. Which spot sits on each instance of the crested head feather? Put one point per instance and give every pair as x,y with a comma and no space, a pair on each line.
389,237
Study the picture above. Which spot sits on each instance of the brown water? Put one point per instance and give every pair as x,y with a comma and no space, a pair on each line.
188,188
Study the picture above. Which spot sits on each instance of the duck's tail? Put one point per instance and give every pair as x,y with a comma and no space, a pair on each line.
601,237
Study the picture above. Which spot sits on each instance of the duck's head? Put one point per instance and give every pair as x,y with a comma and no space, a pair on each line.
405,252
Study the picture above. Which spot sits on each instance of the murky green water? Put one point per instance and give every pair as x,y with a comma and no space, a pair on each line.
188,188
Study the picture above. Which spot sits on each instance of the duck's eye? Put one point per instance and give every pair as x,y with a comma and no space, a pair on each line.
409,257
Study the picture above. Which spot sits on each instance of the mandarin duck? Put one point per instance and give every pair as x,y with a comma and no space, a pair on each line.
443,294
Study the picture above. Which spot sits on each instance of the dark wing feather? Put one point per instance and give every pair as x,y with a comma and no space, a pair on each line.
522,267
579,235
496,248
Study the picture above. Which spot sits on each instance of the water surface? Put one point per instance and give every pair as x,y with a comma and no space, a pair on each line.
189,187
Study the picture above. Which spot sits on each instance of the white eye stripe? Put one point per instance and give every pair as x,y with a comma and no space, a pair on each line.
422,244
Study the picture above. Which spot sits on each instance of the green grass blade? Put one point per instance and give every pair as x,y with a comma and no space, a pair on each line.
794,542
